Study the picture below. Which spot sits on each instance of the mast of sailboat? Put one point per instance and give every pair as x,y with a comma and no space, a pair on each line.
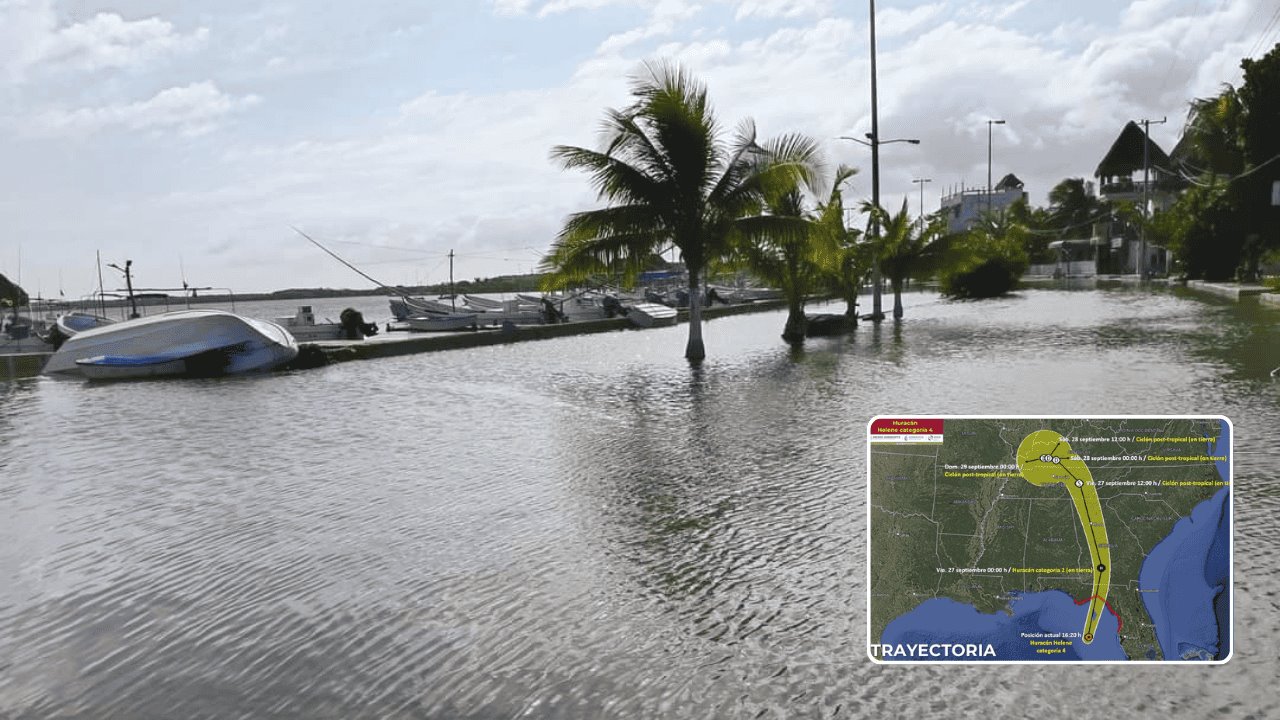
453,297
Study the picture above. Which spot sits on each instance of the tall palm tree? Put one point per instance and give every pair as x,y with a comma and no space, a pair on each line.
906,249
669,179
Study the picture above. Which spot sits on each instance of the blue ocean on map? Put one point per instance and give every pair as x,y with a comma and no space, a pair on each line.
1051,612
1190,572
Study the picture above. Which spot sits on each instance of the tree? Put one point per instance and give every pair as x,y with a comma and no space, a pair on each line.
1260,139
988,260
906,250
799,255
1211,144
670,179
1073,209
852,261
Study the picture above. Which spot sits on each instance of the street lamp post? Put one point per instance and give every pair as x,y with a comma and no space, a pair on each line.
921,182
989,124
877,314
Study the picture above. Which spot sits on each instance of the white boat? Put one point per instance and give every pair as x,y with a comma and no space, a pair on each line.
185,342
304,328
403,308
646,314
69,324
482,304
586,305
444,322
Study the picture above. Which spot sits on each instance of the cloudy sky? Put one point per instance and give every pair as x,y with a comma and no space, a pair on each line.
188,139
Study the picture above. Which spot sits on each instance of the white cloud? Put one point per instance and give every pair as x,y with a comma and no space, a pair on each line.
110,41
663,20
192,110
511,7
448,163
30,38
781,8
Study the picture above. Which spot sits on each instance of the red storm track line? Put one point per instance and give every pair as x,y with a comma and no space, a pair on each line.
1119,622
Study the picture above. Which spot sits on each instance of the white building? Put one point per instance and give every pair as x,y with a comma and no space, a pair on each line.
963,208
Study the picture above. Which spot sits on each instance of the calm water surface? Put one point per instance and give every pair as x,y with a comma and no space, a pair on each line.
582,527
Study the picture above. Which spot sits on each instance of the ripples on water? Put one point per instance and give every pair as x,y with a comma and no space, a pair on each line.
580,527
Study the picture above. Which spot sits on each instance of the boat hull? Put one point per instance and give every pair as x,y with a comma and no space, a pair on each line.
651,314
441,323
249,344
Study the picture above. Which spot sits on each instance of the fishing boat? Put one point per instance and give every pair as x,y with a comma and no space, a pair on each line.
184,342
646,314
584,305
442,322
405,307
303,327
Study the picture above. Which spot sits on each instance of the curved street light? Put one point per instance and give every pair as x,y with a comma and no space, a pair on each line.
877,312
989,124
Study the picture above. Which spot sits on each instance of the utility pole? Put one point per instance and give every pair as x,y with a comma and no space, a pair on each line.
453,297
921,182
989,124
128,283
1146,195
877,314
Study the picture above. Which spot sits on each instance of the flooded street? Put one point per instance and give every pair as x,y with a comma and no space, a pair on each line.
580,527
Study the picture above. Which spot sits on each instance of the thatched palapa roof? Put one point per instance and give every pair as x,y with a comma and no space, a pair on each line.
1125,156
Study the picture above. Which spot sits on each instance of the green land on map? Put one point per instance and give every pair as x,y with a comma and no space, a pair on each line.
957,520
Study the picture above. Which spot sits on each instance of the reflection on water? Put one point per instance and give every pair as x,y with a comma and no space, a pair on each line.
580,527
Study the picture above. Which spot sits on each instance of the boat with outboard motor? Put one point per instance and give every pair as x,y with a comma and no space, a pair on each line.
183,342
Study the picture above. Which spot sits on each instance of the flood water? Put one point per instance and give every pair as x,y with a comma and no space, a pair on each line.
581,527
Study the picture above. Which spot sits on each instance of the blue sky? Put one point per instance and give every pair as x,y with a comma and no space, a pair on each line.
186,136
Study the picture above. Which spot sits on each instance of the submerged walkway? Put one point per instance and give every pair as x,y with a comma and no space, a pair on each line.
401,343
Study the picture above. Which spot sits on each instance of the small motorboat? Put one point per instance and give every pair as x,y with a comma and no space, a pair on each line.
69,324
442,322
185,342
304,328
403,308
647,314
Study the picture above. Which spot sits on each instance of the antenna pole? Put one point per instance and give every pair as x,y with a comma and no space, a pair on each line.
1146,193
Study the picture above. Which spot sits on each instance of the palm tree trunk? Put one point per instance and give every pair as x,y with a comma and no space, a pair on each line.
694,350
897,298
797,324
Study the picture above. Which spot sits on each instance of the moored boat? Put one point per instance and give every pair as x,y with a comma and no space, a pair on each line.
71,323
403,308
184,342
442,322
646,314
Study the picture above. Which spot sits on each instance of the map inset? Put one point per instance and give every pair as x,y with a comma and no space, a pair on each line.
1050,539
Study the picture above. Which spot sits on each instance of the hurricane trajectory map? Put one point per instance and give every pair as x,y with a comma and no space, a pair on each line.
1049,539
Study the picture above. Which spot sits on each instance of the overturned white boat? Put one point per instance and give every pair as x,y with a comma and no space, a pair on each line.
185,342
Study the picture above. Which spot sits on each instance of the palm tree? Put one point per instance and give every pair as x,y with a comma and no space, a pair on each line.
669,179
852,261
1211,142
789,249
906,250
1073,209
